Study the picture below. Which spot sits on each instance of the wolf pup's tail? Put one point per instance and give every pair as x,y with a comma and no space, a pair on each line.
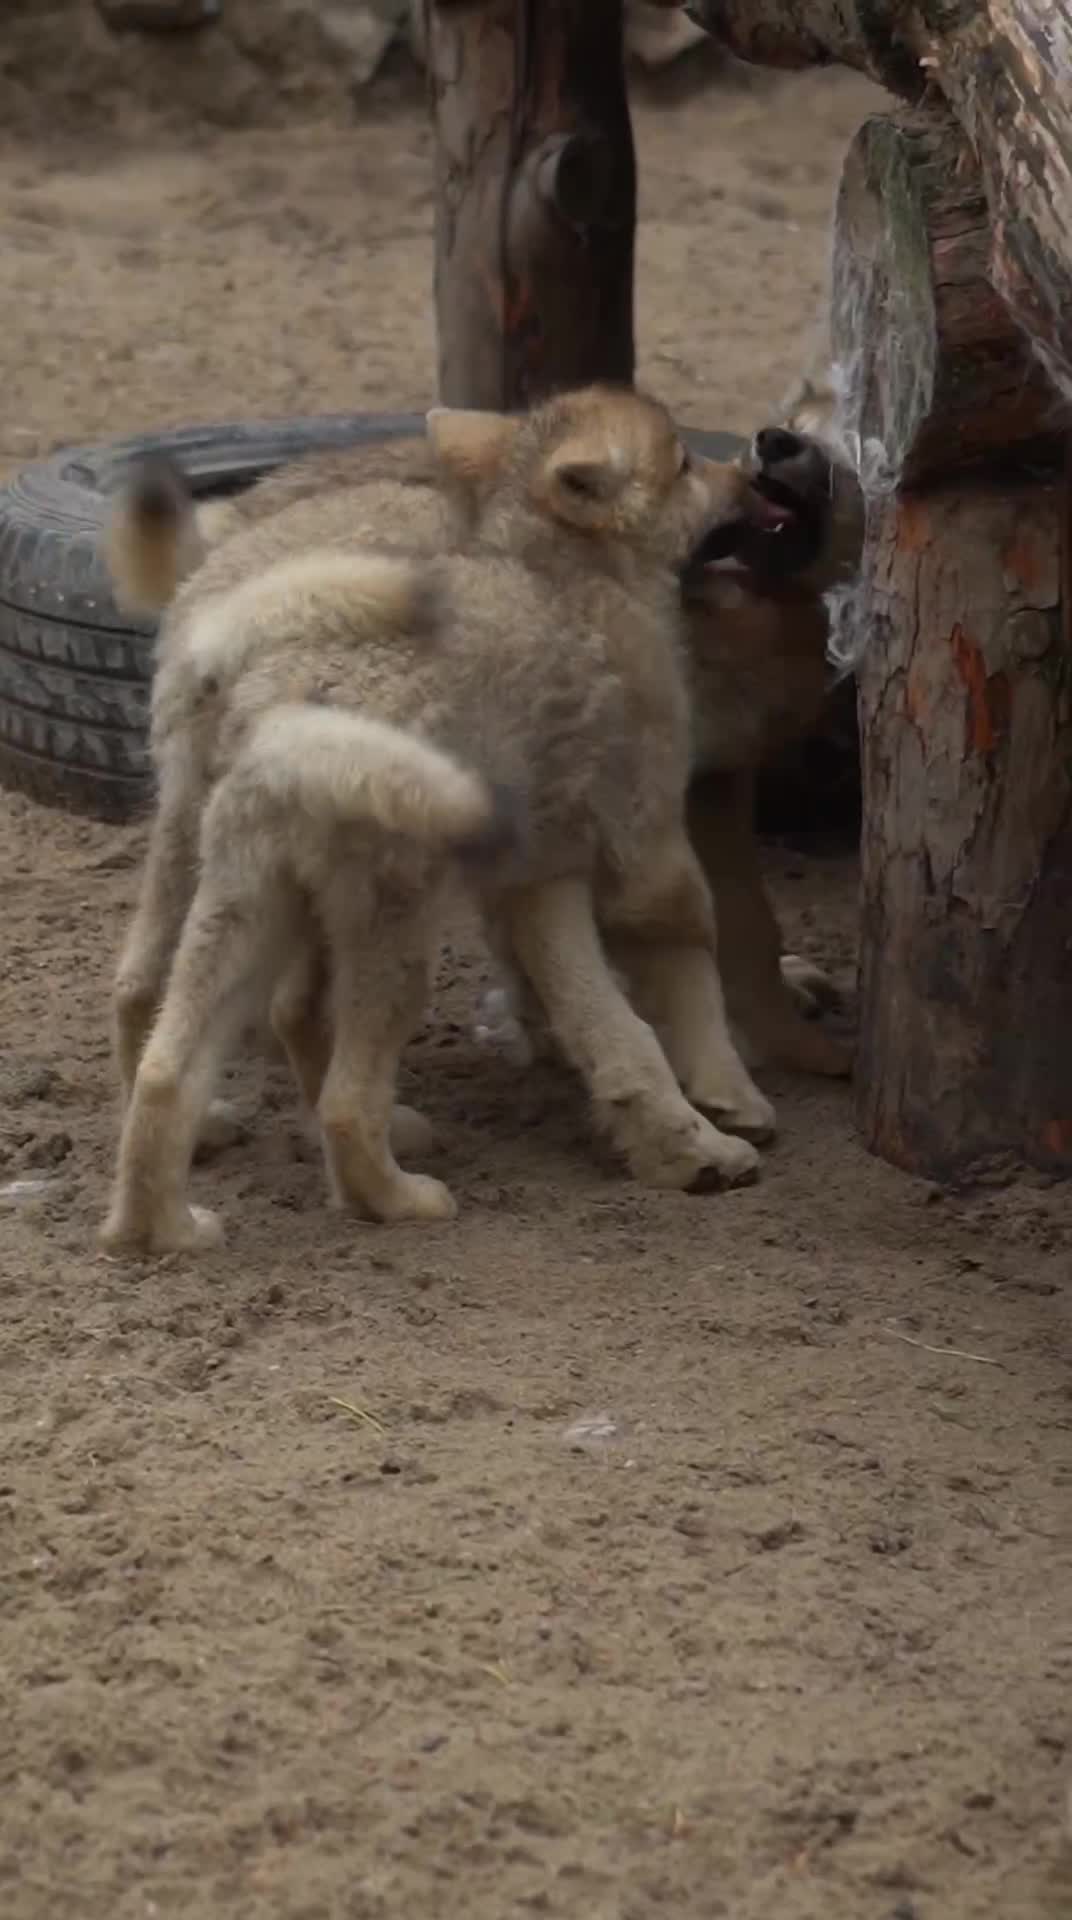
335,765
153,539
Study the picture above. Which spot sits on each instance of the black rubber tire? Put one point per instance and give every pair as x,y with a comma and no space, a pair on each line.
75,672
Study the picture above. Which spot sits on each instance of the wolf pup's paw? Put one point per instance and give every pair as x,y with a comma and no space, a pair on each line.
813,990
695,1158
415,1196
187,1230
737,1108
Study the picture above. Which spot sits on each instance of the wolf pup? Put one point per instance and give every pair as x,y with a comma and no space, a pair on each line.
357,718
756,654
758,637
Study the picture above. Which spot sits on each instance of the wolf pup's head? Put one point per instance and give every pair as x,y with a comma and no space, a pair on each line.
604,466
820,540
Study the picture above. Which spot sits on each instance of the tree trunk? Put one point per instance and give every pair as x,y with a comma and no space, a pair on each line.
966,722
535,198
1003,67
965,684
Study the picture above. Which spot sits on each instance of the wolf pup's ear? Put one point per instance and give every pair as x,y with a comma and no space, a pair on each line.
470,444
583,475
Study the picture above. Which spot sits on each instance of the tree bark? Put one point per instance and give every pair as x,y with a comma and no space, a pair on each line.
966,723
535,198
938,376
1003,66
867,34
965,681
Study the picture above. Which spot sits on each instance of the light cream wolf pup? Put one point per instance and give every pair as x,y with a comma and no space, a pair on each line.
358,715
756,646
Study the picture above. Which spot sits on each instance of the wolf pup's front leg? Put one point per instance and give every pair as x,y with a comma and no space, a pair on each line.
661,934
637,1100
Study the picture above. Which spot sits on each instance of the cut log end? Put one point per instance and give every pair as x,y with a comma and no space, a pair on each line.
937,375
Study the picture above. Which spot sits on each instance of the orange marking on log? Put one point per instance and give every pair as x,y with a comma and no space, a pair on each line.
972,670
1057,1136
916,694
913,526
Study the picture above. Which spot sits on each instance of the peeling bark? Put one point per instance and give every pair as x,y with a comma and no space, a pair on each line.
965,682
966,723
535,198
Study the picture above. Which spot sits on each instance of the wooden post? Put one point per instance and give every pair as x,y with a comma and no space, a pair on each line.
1003,67
966,677
535,198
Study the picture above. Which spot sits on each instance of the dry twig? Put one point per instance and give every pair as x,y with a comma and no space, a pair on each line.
953,1353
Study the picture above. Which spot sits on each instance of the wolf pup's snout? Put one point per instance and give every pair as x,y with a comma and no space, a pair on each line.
775,444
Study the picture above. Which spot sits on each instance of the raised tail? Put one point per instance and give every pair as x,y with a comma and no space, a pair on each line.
153,540
337,766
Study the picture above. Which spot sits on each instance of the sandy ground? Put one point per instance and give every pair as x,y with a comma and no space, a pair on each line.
693,1557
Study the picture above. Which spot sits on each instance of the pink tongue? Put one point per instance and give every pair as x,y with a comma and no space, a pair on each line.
766,513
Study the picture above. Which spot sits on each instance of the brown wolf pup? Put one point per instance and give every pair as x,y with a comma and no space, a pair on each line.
758,645
357,717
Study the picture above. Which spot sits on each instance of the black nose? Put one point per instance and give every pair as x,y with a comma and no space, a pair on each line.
774,444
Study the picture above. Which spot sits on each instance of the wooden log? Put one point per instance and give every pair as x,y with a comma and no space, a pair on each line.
938,375
965,679
535,198
867,34
966,722
1003,67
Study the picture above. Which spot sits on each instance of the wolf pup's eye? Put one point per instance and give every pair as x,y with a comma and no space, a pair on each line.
686,462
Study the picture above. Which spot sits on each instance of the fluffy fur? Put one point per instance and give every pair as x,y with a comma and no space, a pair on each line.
756,643
355,719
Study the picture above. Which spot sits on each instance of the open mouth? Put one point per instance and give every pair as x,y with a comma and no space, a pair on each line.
777,534
771,512
773,506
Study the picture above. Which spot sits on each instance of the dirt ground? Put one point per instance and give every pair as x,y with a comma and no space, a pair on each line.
672,1556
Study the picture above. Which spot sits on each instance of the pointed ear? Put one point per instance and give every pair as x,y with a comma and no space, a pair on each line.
587,473
470,444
